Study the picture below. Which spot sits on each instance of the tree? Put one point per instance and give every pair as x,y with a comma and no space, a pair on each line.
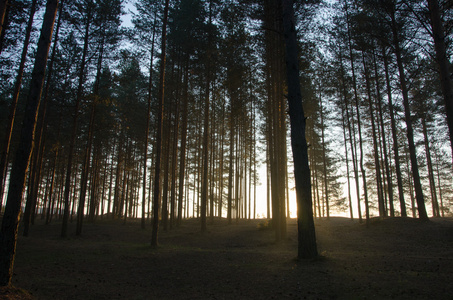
12,110
442,61
10,222
3,8
88,18
306,230
407,112
156,193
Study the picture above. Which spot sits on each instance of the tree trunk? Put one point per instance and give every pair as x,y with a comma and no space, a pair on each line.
10,222
182,154
324,162
64,227
444,64
145,151
3,8
40,134
381,204
306,229
12,110
85,170
399,178
347,161
407,113
351,134
384,140
156,193
432,184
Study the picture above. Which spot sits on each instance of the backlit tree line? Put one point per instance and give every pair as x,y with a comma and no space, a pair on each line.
173,116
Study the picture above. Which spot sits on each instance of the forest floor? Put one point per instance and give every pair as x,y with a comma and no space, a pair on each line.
399,258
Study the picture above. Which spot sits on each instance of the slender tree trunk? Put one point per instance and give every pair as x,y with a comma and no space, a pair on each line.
444,64
182,154
231,163
10,221
407,113
381,203
384,140
399,178
156,193
64,227
359,125
432,184
4,151
85,170
347,161
174,160
306,229
351,138
3,8
222,139
40,134
145,157
324,161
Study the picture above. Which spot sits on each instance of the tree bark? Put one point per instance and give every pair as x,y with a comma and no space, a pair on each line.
10,222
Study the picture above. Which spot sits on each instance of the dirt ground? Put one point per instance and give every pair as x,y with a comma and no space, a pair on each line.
390,259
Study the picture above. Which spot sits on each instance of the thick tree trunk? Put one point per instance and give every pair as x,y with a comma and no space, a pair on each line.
306,228
10,222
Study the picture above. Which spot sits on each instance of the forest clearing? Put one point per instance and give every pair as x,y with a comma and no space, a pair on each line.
397,258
